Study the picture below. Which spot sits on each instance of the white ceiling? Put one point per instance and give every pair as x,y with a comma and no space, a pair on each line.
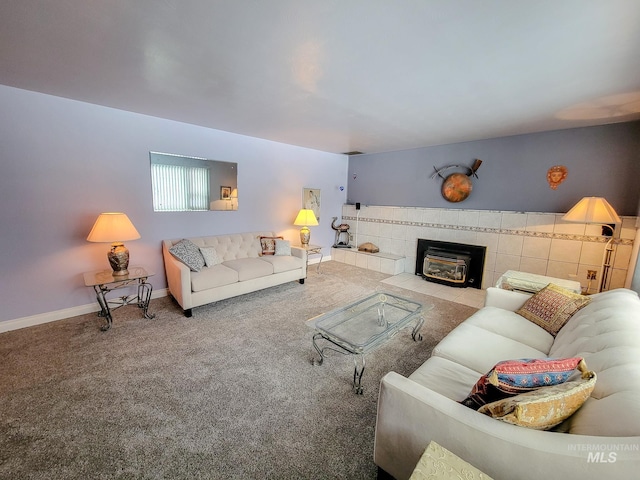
336,75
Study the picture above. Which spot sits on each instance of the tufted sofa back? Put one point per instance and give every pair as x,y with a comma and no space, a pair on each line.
606,333
232,246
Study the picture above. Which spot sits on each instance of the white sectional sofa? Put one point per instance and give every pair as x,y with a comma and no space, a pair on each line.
241,268
600,440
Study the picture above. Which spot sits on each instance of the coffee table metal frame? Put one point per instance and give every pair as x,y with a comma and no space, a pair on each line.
362,326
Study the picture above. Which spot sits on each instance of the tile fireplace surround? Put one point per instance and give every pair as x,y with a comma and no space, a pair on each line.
539,243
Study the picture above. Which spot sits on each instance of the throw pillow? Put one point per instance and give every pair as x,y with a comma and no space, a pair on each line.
188,253
552,307
210,256
544,408
283,247
439,463
512,377
268,245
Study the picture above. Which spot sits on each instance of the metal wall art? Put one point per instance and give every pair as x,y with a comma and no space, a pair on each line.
457,186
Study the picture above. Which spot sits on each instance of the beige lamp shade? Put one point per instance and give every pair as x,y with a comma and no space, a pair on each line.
596,210
115,228
306,218
592,210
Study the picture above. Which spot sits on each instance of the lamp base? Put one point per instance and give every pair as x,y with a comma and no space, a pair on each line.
305,235
118,259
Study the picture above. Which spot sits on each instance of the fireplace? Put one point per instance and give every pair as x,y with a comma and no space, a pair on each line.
453,264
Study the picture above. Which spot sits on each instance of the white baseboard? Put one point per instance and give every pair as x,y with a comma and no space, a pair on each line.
315,260
47,317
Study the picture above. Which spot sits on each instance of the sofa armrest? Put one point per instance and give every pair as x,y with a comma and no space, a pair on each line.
178,278
506,299
301,253
410,416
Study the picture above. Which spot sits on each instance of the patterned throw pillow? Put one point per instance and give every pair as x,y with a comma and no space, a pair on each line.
439,463
513,377
210,256
552,307
268,245
188,253
544,408
283,247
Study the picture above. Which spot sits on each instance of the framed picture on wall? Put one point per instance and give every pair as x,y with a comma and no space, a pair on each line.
311,200
225,193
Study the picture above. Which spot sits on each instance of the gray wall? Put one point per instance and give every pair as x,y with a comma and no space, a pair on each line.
602,161
63,162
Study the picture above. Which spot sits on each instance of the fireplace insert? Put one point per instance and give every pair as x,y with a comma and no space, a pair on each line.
443,265
453,264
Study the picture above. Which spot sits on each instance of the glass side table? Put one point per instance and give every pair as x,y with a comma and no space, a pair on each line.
312,250
104,282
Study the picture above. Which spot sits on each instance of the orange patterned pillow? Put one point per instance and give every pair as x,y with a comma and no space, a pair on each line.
552,307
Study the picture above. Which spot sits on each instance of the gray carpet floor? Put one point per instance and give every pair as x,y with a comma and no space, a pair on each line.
228,393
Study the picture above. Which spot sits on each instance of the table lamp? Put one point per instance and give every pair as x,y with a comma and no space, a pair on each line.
115,228
306,218
596,210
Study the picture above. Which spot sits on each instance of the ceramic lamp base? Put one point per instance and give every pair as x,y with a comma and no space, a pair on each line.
305,235
119,259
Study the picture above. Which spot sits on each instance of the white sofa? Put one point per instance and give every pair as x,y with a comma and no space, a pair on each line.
243,269
601,440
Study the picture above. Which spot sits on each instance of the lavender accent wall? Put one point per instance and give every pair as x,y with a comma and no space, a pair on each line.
62,162
602,161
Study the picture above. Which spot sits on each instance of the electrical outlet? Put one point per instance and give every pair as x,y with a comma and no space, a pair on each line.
591,274
351,237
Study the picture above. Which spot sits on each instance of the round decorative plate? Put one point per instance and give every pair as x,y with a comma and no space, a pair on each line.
456,187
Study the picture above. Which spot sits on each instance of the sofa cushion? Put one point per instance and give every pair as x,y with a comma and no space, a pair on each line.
446,377
233,246
544,408
480,349
249,268
511,325
607,334
212,277
188,253
552,307
283,263
269,245
512,377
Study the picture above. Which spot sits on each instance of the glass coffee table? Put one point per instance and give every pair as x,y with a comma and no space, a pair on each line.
362,326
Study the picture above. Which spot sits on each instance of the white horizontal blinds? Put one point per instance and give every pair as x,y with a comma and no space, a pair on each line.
177,188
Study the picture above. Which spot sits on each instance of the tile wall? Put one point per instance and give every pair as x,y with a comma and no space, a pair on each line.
539,243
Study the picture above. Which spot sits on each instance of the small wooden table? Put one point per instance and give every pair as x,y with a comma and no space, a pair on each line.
104,282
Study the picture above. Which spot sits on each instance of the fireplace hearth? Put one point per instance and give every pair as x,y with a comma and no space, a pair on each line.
448,263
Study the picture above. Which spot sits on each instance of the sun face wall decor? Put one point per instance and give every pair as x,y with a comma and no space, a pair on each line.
556,175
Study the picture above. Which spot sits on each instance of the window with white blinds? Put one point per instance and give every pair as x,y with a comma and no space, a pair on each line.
178,188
